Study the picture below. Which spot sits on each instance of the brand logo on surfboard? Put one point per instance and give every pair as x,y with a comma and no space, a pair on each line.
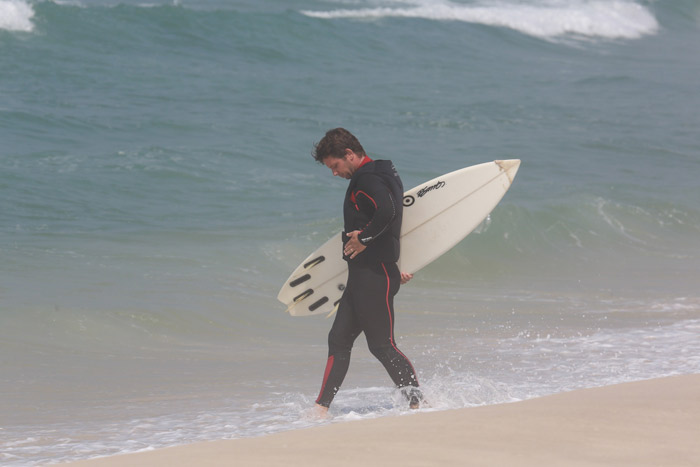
428,189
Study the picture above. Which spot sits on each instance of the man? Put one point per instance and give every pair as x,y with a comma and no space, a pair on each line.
372,214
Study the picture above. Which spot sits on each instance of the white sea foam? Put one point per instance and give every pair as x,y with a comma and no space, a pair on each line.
16,15
618,19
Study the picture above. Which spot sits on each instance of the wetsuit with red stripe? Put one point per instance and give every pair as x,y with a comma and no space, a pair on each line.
373,205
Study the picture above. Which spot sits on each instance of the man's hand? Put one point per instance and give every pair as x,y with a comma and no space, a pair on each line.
405,277
353,247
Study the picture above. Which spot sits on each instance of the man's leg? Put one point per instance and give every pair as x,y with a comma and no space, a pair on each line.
375,310
341,337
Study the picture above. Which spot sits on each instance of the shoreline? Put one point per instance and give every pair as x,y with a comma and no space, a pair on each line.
644,423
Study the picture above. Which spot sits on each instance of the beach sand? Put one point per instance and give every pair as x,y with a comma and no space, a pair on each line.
646,423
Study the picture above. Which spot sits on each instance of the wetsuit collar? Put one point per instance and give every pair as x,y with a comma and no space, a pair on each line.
366,160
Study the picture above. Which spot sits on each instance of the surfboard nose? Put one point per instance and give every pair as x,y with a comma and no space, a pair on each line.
510,167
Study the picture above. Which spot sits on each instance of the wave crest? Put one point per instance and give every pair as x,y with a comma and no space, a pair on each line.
16,15
619,19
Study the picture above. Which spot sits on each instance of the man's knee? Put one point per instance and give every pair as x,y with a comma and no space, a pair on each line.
384,352
339,345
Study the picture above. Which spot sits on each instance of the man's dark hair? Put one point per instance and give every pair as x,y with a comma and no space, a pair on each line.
334,144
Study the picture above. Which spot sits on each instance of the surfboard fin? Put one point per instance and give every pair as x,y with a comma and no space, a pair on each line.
314,262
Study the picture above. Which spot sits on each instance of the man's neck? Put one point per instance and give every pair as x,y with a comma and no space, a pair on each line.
364,160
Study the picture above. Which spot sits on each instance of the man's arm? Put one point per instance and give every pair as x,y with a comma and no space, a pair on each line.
374,196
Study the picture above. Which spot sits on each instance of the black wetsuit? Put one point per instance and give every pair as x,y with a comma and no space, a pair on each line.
374,205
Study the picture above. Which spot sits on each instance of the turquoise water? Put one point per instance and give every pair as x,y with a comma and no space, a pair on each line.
156,188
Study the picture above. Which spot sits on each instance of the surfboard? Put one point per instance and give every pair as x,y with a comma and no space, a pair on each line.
437,215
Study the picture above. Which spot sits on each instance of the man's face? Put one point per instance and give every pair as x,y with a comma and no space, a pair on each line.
342,167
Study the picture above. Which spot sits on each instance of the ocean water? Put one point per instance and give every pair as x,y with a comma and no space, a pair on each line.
156,189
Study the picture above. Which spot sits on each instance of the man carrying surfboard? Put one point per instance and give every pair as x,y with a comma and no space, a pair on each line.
372,213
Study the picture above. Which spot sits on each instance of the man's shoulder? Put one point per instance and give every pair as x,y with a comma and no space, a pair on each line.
377,168
377,173
369,178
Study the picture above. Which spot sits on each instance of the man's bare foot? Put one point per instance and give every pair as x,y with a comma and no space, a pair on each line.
320,412
315,414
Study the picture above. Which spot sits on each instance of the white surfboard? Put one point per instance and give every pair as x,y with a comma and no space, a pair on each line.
437,215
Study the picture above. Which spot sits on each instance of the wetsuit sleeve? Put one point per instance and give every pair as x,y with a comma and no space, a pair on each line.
373,196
